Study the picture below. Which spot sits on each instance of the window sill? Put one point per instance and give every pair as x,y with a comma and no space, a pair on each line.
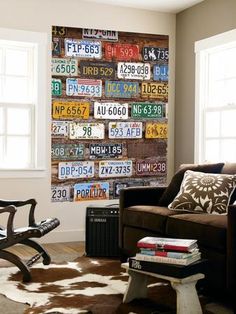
23,173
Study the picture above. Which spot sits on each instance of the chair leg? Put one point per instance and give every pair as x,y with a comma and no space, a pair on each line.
18,262
35,245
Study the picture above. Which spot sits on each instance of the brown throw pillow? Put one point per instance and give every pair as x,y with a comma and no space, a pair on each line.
173,188
204,193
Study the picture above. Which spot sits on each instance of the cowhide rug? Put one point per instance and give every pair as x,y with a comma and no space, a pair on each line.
88,285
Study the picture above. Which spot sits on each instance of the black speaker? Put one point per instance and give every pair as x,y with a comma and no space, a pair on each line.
102,231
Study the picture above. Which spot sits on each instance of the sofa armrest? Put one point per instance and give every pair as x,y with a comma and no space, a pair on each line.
231,249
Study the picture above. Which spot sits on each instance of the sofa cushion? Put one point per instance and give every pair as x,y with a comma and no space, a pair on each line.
204,192
173,188
209,230
230,168
152,218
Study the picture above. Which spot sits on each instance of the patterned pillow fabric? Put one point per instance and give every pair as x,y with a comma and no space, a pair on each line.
204,193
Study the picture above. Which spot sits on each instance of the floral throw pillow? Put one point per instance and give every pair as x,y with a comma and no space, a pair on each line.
204,193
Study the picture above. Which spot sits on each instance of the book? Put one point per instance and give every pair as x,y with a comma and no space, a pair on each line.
177,271
168,260
165,253
183,245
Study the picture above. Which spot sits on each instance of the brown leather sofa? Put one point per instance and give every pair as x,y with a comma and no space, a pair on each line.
144,212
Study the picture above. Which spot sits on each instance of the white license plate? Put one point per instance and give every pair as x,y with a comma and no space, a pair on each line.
127,130
64,67
83,87
100,34
91,191
113,168
59,128
83,48
134,70
76,170
85,131
60,193
110,111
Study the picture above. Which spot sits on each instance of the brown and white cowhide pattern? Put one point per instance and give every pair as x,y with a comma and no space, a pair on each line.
88,285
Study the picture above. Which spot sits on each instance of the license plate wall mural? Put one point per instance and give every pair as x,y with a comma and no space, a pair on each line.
109,125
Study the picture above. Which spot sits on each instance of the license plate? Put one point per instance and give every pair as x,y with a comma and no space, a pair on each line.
100,70
134,70
83,87
129,130
121,89
56,46
73,109
160,72
56,87
75,170
110,111
147,110
59,31
59,128
64,67
122,52
83,48
67,151
100,34
155,54
117,186
90,131
149,167
156,130
154,90
91,191
105,151
60,193
113,168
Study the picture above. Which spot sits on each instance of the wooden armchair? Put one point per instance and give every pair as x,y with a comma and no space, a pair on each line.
10,236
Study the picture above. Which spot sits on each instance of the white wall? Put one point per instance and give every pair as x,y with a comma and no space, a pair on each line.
35,15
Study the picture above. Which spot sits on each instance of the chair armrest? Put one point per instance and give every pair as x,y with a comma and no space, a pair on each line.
11,210
16,203
231,248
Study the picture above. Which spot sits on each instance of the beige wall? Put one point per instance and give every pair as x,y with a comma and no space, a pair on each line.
206,19
35,15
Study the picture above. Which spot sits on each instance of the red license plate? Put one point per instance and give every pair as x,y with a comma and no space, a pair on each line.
123,52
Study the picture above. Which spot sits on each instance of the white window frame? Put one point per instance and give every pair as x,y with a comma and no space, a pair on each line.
201,84
40,40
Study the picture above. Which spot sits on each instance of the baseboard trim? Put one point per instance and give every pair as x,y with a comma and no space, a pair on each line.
63,236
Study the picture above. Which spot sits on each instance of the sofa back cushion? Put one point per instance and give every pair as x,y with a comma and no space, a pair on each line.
174,186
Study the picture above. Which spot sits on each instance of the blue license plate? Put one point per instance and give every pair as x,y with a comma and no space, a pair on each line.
160,72
120,89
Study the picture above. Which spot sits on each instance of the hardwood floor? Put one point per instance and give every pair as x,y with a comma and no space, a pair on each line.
66,251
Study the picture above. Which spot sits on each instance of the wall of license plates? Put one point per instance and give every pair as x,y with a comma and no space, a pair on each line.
109,112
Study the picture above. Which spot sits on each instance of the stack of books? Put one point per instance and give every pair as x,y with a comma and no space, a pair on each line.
165,250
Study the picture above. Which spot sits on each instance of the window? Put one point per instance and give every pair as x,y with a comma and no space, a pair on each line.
215,116
22,103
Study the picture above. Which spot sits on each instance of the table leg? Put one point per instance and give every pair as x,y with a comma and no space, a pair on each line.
137,286
187,298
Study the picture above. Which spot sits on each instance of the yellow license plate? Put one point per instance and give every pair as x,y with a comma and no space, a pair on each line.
154,90
156,130
73,109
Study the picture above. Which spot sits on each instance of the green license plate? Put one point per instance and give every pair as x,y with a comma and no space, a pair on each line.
56,87
147,110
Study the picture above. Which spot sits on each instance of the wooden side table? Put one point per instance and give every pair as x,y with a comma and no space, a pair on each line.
187,297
